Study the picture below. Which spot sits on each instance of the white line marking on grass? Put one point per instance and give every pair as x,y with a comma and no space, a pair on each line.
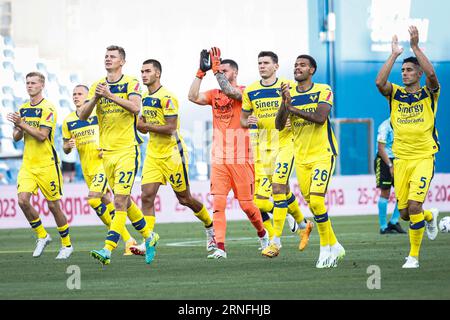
199,243
1,252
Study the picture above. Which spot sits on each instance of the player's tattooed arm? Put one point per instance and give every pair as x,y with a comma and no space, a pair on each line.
319,116
227,88
425,64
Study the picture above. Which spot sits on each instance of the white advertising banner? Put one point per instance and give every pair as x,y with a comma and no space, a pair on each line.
347,195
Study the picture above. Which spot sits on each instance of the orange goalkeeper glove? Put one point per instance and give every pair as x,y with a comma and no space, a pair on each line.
205,64
215,59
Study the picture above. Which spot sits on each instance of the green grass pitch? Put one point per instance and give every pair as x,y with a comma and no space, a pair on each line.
181,270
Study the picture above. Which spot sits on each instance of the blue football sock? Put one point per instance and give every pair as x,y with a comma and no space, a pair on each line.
382,212
395,215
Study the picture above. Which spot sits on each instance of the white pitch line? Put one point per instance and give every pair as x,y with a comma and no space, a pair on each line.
16,252
197,243
200,242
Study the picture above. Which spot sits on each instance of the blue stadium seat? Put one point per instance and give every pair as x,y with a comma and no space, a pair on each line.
7,103
8,90
63,90
52,77
18,101
63,103
74,78
78,172
12,174
42,67
18,76
19,145
4,172
8,41
8,65
8,53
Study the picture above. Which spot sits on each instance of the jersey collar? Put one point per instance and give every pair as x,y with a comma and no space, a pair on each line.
152,93
312,86
270,85
114,81
35,105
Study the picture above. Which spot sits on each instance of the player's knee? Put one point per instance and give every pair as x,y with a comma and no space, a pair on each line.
248,206
53,206
278,188
121,202
106,198
404,214
24,202
317,205
219,203
148,198
184,200
414,208
94,195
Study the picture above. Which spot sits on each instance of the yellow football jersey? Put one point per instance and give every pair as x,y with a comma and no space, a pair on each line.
312,141
86,135
156,108
36,153
117,125
413,117
264,102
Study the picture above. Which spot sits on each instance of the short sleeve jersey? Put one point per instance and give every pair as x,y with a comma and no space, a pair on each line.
264,102
312,141
86,135
41,115
156,109
117,126
413,119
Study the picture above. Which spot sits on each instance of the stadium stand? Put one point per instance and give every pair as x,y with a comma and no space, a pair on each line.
15,63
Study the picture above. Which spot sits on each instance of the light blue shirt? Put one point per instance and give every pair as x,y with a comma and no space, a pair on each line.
386,136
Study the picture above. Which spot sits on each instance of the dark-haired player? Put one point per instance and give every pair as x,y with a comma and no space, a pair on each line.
275,158
83,135
166,155
231,165
308,106
117,101
413,112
